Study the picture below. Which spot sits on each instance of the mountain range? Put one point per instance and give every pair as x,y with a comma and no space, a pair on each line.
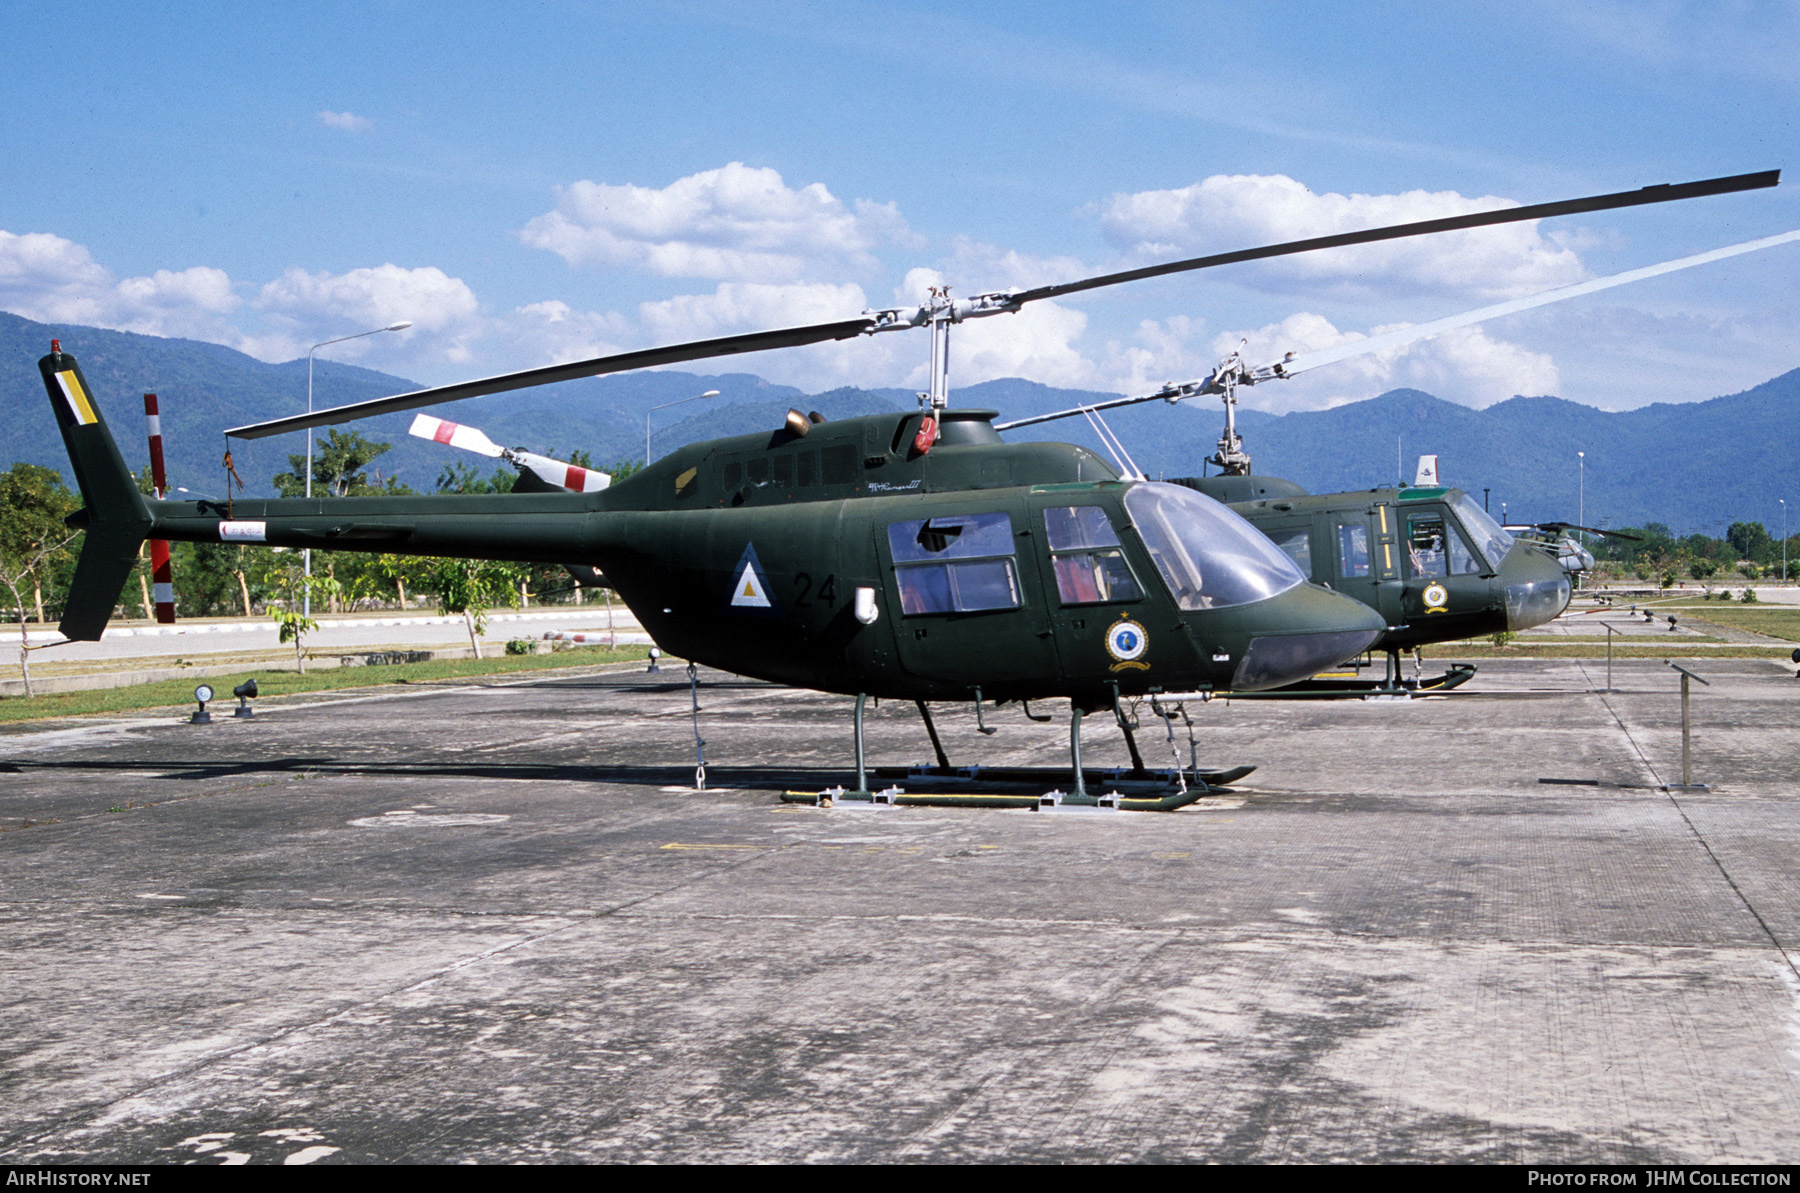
1695,466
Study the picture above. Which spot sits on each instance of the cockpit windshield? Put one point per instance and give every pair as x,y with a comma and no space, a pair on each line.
1490,539
1209,557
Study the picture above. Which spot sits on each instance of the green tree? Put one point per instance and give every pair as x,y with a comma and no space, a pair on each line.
211,579
458,477
340,469
472,586
1750,540
35,543
34,539
294,625
401,571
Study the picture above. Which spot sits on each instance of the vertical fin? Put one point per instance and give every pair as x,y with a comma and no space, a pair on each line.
117,517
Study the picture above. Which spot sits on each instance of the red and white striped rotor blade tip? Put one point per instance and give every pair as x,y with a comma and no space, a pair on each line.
566,476
455,434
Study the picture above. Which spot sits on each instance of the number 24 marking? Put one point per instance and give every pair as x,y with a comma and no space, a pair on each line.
827,593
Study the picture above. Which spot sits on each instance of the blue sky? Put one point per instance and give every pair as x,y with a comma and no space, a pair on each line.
548,181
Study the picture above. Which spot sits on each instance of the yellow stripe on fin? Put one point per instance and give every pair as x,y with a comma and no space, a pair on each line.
79,404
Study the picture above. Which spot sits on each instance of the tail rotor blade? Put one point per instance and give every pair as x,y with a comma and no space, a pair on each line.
455,434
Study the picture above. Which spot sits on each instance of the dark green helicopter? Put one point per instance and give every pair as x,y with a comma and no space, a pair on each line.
1426,557
912,556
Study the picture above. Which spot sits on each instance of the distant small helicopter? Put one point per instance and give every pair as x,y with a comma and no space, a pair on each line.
910,555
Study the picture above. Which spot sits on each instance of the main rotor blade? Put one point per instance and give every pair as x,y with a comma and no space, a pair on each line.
1563,527
1662,193
756,341
1296,364
991,304
1420,331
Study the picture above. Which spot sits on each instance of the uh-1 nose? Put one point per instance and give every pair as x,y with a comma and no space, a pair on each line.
1300,633
1537,587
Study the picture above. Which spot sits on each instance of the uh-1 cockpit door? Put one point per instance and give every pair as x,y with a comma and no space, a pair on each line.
1436,554
1365,559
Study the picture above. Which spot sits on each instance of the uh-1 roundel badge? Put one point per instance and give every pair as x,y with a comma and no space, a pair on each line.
1126,642
1437,598
750,586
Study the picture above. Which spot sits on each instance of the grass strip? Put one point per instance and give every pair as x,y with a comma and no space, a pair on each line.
1780,622
1679,649
174,692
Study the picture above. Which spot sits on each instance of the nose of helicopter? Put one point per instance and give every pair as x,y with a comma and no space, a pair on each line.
1537,588
1304,631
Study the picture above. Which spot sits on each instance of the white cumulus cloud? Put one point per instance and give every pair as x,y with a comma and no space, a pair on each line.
736,223
53,280
310,307
1160,351
347,122
553,332
977,268
756,306
1226,212
1037,343
1464,365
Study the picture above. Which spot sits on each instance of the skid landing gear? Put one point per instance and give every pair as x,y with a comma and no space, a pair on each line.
1134,789
1392,687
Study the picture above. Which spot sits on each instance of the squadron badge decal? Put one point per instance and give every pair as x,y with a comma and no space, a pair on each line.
749,587
1437,598
1126,642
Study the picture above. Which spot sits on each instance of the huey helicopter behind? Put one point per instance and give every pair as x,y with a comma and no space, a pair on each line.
1427,557
913,555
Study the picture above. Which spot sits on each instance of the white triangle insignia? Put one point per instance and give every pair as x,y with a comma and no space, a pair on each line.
748,591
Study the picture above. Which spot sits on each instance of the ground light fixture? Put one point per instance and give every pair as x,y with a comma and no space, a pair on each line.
202,695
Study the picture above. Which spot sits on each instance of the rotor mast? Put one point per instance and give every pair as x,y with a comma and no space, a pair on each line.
1231,457
943,313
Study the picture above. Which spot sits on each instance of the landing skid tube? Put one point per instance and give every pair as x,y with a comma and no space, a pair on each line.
1363,689
1051,774
1154,786
895,797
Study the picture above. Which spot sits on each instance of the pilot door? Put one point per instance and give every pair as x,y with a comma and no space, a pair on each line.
970,610
1435,554
1096,602
1365,556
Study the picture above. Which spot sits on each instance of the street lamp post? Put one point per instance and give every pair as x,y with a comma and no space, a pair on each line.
402,325
711,393
1581,491
1784,575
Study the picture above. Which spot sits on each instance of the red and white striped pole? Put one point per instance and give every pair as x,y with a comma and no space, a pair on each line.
162,577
